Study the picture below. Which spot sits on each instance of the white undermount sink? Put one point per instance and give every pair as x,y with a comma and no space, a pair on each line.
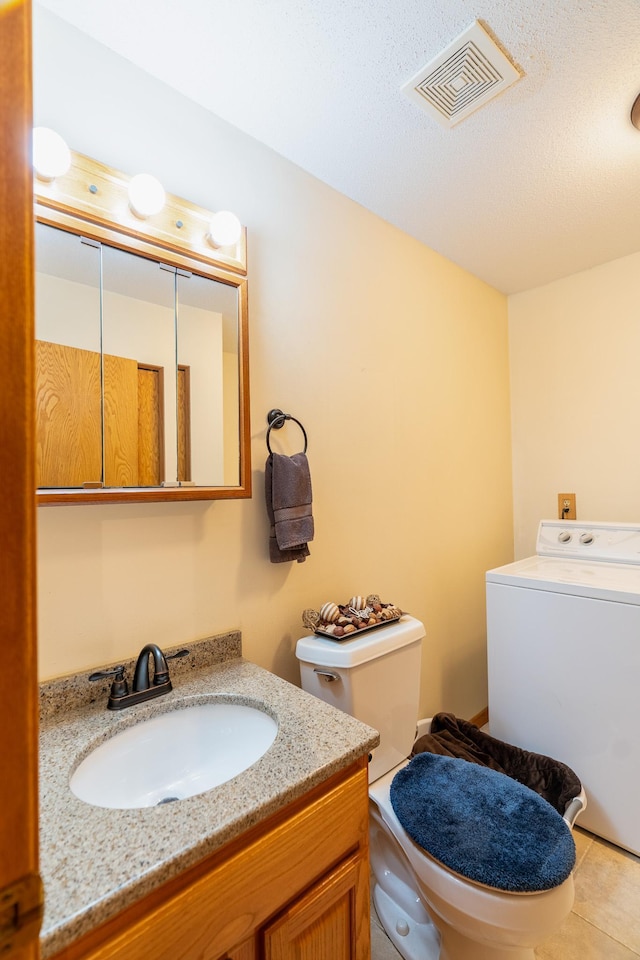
177,754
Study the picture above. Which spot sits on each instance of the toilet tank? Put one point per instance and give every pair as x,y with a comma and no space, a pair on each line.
375,677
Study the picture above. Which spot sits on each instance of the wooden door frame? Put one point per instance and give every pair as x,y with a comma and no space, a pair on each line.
184,408
162,463
18,679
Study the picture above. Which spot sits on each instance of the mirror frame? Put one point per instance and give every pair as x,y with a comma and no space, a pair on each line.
91,201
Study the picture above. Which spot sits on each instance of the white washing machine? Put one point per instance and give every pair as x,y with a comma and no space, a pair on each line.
563,641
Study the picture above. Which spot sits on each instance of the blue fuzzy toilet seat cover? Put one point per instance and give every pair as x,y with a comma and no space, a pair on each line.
482,824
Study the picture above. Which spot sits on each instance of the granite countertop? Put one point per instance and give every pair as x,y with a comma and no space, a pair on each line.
95,861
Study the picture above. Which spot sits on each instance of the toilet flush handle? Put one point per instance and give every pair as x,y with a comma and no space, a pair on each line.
328,676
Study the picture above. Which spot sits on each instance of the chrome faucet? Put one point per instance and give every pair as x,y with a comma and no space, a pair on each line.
143,688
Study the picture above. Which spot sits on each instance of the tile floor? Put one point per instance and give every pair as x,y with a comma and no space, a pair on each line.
605,921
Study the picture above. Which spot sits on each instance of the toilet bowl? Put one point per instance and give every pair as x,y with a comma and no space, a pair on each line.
474,922
429,911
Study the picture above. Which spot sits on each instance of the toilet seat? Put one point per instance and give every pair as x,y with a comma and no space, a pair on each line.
379,794
472,819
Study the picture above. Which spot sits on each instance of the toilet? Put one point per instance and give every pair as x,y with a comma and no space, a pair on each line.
428,910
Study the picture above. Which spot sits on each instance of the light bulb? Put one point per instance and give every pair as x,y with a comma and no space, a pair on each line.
146,195
51,155
224,229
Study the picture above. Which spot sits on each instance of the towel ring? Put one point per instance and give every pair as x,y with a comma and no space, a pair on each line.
276,420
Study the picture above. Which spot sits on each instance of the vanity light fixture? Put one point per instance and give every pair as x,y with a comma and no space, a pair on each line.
146,195
103,195
224,229
51,155
635,113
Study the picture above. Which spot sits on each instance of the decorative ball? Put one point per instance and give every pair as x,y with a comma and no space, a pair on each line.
373,598
310,619
357,603
329,612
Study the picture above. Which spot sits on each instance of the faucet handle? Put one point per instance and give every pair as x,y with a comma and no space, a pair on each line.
119,687
164,676
174,656
161,674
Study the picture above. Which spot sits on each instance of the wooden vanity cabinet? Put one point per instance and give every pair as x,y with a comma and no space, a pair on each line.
295,887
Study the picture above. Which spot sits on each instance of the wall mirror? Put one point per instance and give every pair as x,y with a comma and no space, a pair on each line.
141,351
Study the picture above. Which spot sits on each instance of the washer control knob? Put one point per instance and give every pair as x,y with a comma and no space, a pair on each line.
586,538
564,536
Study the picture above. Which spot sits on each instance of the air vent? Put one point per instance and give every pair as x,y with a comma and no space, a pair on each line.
470,72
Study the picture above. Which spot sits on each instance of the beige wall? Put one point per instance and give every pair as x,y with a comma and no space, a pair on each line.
395,360
575,381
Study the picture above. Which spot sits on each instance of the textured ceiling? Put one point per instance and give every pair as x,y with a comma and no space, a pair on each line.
541,182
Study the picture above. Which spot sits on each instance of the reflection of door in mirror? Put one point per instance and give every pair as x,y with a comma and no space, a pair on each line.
68,416
70,448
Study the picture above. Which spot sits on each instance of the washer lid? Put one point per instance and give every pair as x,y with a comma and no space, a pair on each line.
359,648
619,582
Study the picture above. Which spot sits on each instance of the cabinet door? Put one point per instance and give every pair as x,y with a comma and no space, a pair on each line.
330,921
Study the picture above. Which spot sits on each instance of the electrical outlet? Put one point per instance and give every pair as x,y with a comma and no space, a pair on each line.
567,506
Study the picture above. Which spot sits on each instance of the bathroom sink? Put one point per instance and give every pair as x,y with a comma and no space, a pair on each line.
175,755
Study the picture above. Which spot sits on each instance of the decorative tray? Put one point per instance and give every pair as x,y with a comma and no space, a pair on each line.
320,632
359,615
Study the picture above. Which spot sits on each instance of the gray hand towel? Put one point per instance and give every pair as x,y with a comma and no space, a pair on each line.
288,497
